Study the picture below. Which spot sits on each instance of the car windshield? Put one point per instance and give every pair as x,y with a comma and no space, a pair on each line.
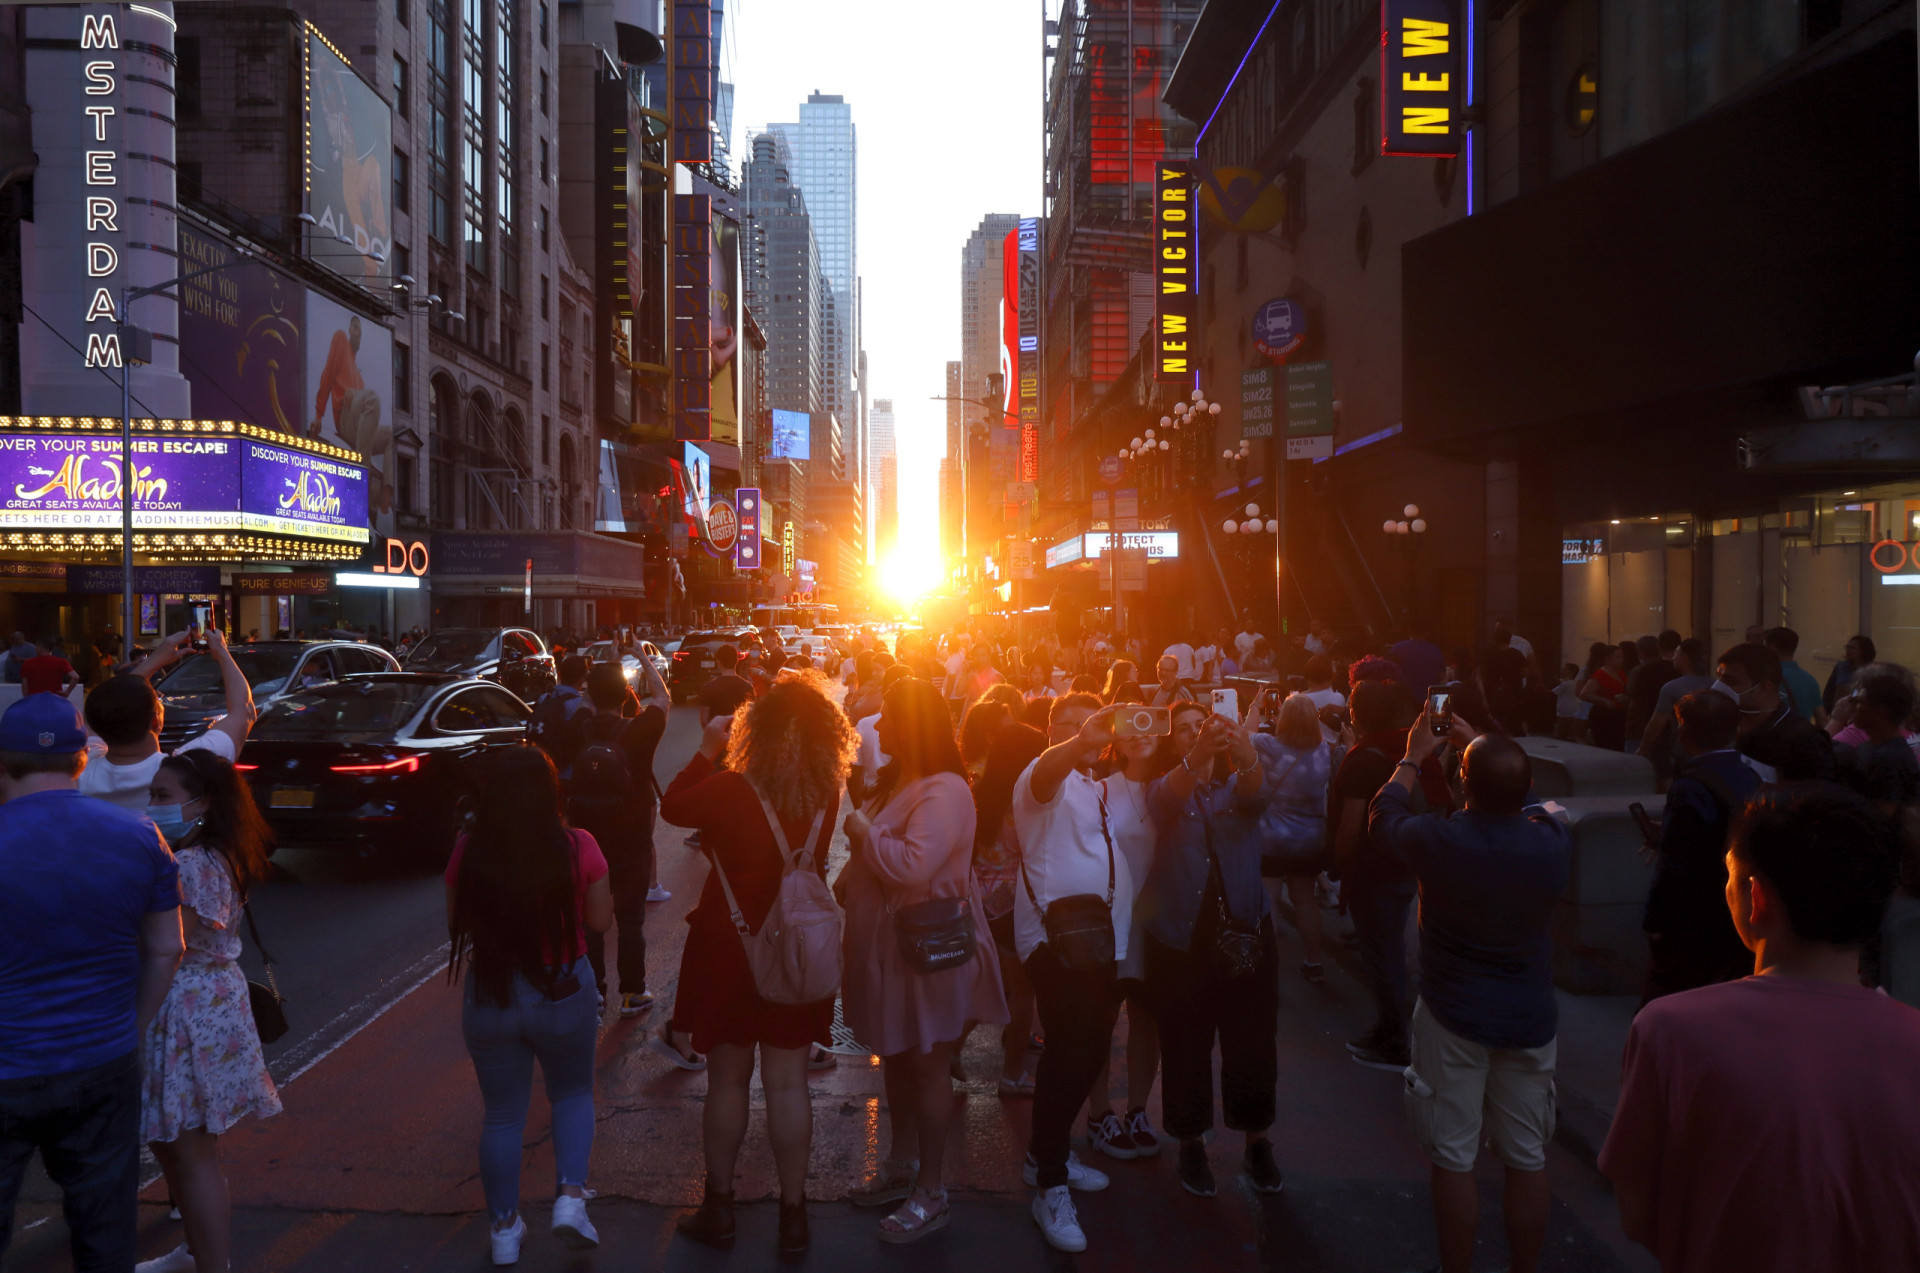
346,707
444,650
266,671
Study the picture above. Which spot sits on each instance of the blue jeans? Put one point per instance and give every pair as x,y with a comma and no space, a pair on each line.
86,1125
1379,901
504,1043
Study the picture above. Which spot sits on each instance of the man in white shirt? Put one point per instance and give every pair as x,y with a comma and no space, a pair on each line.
1183,656
1067,851
1504,635
1244,639
126,716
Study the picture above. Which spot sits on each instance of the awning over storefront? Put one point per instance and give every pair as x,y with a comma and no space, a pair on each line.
565,563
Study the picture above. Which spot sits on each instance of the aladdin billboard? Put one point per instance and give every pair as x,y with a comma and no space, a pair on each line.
241,343
190,480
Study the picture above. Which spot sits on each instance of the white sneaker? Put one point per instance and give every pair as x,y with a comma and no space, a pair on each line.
1059,1222
570,1223
178,1260
1079,1175
658,894
506,1242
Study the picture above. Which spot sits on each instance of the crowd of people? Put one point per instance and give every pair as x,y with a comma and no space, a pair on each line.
1030,854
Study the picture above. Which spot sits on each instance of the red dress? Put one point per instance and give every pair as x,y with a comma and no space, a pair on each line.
716,1001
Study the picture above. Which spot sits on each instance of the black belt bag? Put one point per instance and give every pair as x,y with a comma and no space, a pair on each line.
1233,946
936,934
1079,927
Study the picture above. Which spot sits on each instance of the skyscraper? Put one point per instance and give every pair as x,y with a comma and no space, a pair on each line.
823,164
887,465
783,283
992,457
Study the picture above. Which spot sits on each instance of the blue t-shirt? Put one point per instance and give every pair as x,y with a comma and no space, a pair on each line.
1801,688
80,877
1487,891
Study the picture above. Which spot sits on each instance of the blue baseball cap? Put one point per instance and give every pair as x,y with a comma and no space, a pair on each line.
42,725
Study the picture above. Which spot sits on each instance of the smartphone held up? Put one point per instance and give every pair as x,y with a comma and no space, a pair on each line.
1440,708
1136,720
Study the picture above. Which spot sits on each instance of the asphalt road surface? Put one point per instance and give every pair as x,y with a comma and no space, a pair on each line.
373,1165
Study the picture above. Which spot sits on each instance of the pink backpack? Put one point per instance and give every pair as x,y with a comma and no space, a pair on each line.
795,957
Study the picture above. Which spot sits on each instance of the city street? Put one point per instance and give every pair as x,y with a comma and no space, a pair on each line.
372,1166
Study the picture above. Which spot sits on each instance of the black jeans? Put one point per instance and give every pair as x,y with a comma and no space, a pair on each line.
628,849
1077,1013
86,1125
1379,904
1193,1004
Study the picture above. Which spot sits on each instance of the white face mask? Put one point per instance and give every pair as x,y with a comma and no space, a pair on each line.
1738,697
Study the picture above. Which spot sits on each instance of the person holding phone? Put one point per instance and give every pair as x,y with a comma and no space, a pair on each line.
1212,965
126,715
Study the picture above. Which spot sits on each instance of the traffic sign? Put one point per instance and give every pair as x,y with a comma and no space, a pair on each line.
1111,470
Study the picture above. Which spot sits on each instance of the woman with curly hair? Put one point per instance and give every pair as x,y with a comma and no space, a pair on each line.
912,843
792,746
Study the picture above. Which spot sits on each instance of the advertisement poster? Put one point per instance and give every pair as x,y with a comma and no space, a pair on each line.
72,482
792,435
349,166
241,347
349,393
723,330
696,491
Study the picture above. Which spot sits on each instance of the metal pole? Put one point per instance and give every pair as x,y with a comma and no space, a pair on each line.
127,606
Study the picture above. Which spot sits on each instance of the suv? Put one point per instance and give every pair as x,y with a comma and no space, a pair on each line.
194,697
694,664
514,657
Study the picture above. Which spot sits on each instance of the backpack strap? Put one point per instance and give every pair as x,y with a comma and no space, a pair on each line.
789,860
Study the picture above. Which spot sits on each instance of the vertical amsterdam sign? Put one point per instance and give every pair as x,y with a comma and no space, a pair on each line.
1174,249
1422,79
97,37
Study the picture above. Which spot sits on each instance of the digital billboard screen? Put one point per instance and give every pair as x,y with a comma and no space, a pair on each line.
349,141
792,435
241,343
723,330
349,392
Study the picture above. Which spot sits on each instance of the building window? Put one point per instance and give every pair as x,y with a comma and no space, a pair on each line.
186,76
545,172
543,296
402,180
473,173
546,363
403,480
402,377
402,261
439,122
543,230
400,8
400,86
546,423
543,89
543,23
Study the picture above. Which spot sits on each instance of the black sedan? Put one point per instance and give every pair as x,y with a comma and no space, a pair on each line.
194,697
380,761
515,657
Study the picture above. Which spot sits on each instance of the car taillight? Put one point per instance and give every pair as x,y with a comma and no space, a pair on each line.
404,765
246,767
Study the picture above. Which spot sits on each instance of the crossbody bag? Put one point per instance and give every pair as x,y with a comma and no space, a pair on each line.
1233,947
935,934
1080,927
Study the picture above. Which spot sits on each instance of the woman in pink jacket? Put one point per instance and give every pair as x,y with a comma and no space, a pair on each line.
912,842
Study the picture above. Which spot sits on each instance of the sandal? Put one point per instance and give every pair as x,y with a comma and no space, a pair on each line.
913,1221
661,1041
892,1183
1022,1086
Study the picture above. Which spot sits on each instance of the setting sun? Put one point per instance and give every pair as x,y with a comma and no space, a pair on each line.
910,572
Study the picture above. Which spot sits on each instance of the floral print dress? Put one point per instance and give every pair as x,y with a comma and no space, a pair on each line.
202,1054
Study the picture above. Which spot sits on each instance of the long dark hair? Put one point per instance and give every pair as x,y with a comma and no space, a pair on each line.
922,730
515,898
1013,749
232,825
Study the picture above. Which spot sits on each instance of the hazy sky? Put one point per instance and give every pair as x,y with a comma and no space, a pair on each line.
946,99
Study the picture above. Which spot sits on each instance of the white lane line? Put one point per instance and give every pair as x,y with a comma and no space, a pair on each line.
329,1038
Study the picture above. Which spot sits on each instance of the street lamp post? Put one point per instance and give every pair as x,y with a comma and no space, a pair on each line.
1406,529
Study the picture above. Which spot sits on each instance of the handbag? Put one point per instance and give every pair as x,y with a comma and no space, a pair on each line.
795,957
1234,947
269,1006
936,934
1080,927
